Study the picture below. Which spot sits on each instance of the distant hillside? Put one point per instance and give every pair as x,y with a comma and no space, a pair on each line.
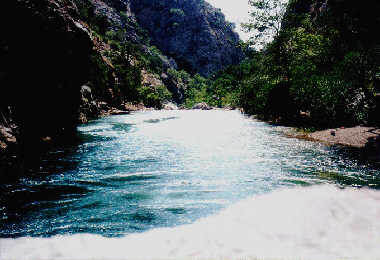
192,31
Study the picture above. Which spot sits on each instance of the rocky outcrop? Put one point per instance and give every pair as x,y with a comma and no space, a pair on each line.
46,57
170,106
119,16
202,106
89,106
192,31
193,34
175,86
7,137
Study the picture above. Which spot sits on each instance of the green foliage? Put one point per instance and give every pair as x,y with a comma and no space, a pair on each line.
180,76
196,91
117,76
129,61
163,94
265,20
128,71
153,60
131,22
175,25
124,16
154,96
99,23
99,76
313,65
221,91
115,36
149,97
177,12
323,63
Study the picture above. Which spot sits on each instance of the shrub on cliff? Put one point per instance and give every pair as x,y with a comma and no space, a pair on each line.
177,11
99,23
155,96
128,71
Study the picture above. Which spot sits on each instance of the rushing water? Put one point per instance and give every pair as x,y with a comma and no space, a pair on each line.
192,184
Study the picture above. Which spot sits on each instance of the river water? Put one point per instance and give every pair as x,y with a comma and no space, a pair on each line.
192,184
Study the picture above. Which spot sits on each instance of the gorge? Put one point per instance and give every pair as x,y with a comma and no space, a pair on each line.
97,162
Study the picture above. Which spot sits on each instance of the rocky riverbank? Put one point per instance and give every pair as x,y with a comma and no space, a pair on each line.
358,136
364,139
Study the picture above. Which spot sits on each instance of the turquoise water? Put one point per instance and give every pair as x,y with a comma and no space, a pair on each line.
133,173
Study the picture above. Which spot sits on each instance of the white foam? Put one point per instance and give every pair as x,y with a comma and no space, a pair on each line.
320,222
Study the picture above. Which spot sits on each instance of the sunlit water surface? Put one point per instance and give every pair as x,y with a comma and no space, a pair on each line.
192,184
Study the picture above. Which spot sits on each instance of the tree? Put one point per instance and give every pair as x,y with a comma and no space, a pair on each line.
265,21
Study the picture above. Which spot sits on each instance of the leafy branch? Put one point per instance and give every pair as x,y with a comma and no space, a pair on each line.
265,21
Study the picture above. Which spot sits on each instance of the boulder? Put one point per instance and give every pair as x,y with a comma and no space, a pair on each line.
88,108
202,106
170,106
115,111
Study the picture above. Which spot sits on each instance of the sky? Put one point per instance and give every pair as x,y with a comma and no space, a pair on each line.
236,11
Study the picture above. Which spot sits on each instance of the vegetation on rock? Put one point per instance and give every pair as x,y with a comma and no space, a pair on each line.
193,32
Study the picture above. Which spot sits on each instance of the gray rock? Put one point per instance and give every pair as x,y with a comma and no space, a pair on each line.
89,107
7,135
202,106
193,32
170,106
114,111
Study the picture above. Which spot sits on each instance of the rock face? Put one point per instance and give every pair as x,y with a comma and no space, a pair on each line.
45,60
192,31
89,107
177,88
119,14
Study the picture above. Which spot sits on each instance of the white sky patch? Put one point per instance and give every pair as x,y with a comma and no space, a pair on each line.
236,11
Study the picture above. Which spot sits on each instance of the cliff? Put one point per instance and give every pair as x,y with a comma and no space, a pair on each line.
192,31
45,59
67,61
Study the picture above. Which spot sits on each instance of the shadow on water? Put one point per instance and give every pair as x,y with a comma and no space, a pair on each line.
130,178
122,127
17,202
27,190
344,179
52,158
153,121
368,155
136,196
365,160
92,138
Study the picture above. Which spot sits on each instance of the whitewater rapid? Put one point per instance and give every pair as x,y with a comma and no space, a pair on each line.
315,222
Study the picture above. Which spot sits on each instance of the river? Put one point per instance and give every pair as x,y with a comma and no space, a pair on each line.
192,184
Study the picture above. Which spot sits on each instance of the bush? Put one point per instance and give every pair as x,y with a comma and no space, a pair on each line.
177,12
154,96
